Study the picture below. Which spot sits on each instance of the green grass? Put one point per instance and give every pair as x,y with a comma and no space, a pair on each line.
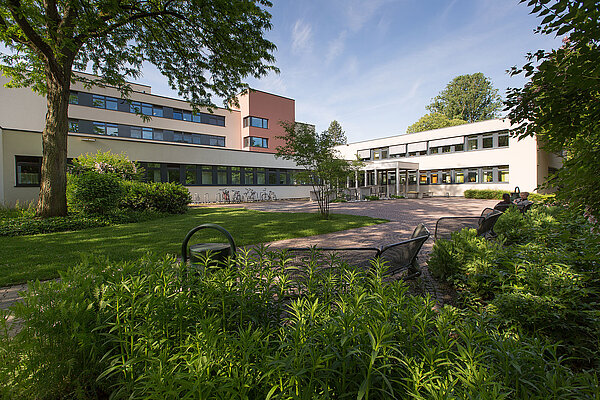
25,258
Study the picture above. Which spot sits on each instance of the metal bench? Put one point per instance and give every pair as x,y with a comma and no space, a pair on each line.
484,224
400,255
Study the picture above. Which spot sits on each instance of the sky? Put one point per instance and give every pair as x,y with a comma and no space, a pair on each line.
374,65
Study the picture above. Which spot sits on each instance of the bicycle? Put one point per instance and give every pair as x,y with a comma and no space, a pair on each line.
272,196
236,197
223,196
249,195
264,196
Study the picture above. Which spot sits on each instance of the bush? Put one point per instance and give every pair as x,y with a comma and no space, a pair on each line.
263,329
372,198
168,197
484,194
107,163
93,193
546,281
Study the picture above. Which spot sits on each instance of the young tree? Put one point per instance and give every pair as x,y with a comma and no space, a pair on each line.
470,98
315,152
337,133
561,103
203,48
433,121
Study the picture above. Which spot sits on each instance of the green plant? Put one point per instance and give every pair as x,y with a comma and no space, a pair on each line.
108,163
263,327
94,193
484,194
371,198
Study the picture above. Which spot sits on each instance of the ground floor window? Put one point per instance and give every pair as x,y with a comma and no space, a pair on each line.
28,170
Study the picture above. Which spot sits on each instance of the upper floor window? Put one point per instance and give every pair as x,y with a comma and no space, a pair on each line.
74,98
472,143
109,103
380,154
252,141
487,141
256,122
503,139
73,125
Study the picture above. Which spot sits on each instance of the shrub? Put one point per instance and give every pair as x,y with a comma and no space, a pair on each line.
93,193
263,329
484,194
168,197
107,163
372,198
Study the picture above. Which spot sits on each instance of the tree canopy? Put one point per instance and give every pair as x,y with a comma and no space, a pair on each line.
315,153
561,103
469,98
433,121
337,133
204,48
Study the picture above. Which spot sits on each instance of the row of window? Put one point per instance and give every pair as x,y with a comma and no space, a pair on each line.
212,175
256,122
253,141
137,132
490,174
438,146
28,174
112,103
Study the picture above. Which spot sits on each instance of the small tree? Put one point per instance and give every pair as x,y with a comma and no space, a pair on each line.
470,98
315,153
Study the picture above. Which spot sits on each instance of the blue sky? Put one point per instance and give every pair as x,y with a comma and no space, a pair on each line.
374,65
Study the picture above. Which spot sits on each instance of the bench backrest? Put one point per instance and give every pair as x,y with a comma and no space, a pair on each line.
404,254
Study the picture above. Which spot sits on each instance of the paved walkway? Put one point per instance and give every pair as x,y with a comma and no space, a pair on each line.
404,215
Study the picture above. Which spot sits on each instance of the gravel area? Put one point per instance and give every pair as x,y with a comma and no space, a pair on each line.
404,215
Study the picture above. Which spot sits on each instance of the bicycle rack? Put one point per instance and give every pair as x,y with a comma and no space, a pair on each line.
196,252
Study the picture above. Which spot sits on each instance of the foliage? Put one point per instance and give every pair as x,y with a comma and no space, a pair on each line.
18,210
543,275
337,133
108,163
204,48
497,195
372,198
561,103
94,193
434,120
167,197
34,257
315,153
262,328
470,98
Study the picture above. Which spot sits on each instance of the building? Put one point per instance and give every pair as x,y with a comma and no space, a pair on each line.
226,149
448,161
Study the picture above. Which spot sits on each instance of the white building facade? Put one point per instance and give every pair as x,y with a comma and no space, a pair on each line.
448,161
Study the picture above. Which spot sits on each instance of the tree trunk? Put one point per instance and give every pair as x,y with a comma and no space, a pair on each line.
52,200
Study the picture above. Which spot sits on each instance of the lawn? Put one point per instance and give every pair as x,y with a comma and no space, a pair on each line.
41,257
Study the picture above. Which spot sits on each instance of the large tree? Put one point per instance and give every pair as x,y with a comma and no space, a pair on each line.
337,133
203,47
433,121
470,98
561,103
323,168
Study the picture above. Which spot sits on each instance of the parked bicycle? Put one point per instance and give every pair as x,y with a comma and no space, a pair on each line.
249,195
223,196
236,197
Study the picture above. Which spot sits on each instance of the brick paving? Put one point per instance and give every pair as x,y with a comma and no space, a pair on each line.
404,215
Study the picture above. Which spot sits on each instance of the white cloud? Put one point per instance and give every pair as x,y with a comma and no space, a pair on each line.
301,36
336,47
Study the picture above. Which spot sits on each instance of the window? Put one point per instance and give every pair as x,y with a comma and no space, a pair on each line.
446,149
260,176
488,174
412,178
147,133
271,177
423,179
74,98
207,175
487,141
256,122
236,175
446,177
111,103
503,173
252,141
503,139
135,107
112,129
190,174
283,177
153,173
434,177
222,176
28,170
473,176
434,150
173,174
380,154
158,134
73,125
98,101
157,111
177,114
459,177
248,176
187,116
177,137
136,132
472,143
99,128
459,147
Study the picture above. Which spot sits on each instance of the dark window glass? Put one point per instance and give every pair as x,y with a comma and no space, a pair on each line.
98,101
136,132
472,143
187,116
173,174
283,177
503,140
207,175
99,128
196,139
111,103
235,175
177,114
196,118
260,176
112,130
459,177
473,176
135,107
446,177
248,176
187,138
190,175
73,125
147,133
157,111
487,142
503,173
459,147
445,149
28,170
488,175
222,176
434,150
74,98
178,137
158,134
272,175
